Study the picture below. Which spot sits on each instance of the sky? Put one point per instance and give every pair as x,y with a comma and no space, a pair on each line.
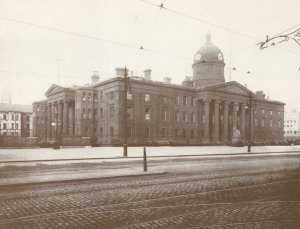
41,41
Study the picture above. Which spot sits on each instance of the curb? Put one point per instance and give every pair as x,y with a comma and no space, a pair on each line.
160,156
82,179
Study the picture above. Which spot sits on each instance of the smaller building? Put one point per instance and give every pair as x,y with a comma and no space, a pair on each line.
292,126
15,120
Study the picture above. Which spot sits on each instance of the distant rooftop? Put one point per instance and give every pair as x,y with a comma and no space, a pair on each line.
15,107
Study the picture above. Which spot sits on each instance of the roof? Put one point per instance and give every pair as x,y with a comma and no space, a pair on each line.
15,107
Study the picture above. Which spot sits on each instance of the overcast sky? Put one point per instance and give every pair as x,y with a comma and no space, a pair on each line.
29,54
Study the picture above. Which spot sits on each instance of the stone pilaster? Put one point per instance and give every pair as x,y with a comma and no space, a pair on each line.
225,122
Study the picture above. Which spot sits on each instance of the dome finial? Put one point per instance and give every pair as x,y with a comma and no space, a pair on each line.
208,37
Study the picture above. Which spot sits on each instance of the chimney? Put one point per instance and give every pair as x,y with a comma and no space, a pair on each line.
120,72
260,94
95,77
167,80
187,82
147,74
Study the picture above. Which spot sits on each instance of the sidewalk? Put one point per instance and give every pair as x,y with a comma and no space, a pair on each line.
43,173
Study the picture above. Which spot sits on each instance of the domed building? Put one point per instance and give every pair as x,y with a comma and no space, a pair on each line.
204,109
208,66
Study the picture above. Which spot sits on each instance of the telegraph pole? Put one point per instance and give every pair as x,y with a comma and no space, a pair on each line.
250,124
125,113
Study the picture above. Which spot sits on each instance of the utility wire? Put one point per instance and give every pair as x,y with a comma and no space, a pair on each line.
89,37
199,20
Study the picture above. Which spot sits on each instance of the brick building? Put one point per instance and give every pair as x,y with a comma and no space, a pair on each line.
204,109
292,126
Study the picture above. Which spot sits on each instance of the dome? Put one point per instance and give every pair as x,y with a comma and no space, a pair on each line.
209,52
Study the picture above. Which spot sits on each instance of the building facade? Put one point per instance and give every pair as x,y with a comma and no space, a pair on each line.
204,109
292,126
15,120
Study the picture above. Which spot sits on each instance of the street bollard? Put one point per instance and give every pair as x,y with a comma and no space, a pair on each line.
124,150
145,160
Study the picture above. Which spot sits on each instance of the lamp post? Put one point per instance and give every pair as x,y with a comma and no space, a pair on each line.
125,113
250,123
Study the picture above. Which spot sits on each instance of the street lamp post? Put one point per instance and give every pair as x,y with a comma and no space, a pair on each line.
125,113
250,123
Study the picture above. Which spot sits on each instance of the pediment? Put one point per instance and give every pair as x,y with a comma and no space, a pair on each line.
54,89
231,87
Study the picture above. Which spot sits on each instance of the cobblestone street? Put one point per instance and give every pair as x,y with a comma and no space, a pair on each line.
254,192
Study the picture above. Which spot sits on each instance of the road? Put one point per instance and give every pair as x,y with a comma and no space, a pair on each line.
228,192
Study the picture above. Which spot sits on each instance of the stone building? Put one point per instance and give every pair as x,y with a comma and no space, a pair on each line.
204,109
15,120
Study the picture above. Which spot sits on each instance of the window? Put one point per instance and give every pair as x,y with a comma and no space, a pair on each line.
193,119
192,133
89,97
255,122
12,126
129,112
101,112
111,95
129,95
184,133
271,123
101,97
185,119
83,113
147,98
177,116
262,122
17,126
129,132
95,113
111,132
147,113
279,123
164,100
111,111
163,132
86,129
12,117
147,132
176,132
177,100
193,101
262,111
27,118
278,113
185,100
4,117
89,113
164,114
271,112
95,97
101,132
83,96
295,132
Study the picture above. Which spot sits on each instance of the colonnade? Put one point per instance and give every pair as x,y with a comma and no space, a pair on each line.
221,118
60,119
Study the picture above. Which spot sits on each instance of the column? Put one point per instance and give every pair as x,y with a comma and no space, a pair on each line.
198,120
53,120
225,122
71,120
206,121
234,115
216,122
49,120
242,120
66,118
60,118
